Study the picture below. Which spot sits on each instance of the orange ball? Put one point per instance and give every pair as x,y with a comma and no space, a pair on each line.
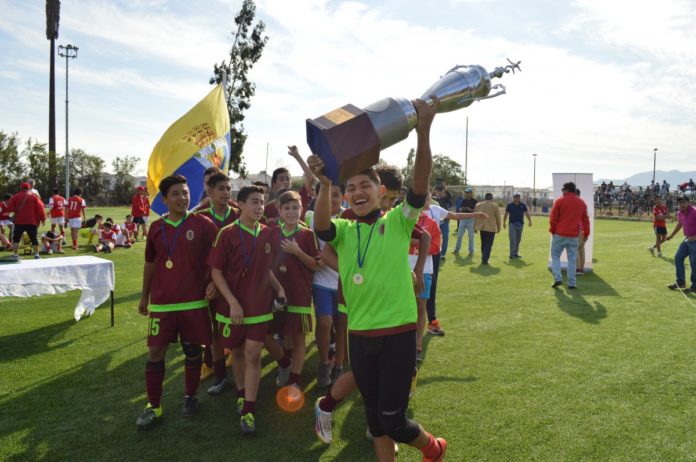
290,398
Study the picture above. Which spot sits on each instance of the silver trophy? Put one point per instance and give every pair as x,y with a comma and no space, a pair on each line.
349,139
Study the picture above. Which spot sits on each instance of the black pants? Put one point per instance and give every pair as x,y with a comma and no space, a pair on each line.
487,238
383,367
430,305
31,231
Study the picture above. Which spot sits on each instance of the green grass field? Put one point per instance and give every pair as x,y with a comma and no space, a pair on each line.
525,372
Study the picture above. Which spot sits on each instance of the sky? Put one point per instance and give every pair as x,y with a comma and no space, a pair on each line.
603,82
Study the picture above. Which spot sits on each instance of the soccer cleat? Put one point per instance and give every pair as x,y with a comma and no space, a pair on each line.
322,422
37,256
149,417
191,406
283,376
74,247
324,375
336,373
239,405
556,284
435,328
50,252
419,356
651,250
218,387
206,372
414,382
247,423
443,449
676,286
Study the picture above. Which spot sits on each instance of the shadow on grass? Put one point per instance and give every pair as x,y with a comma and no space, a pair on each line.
127,298
517,263
592,283
575,305
463,261
485,270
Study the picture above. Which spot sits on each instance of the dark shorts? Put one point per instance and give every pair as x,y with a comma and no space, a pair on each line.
31,230
234,335
138,220
660,229
290,323
167,327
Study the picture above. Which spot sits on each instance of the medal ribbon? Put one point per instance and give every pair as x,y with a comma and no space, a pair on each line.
247,258
361,259
215,217
176,236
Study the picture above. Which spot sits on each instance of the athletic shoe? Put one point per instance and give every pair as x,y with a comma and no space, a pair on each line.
414,382
247,423
37,256
336,373
456,252
556,284
218,387
435,328
572,287
283,376
442,257
74,247
239,405
191,406
206,372
322,422
651,250
677,286
443,450
659,254
369,437
149,417
59,251
14,257
324,375
50,252
579,272
419,356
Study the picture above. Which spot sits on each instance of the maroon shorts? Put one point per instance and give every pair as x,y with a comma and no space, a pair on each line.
167,327
291,324
234,335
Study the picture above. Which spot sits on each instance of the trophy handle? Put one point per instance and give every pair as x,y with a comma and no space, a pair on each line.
500,91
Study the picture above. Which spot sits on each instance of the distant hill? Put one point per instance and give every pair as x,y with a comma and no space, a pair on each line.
673,177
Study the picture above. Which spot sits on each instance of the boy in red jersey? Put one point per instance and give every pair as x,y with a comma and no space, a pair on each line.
107,239
241,260
138,210
128,229
294,268
176,290
5,221
76,214
219,190
56,205
382,304
660,214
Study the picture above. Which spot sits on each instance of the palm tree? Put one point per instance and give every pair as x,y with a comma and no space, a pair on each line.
52,23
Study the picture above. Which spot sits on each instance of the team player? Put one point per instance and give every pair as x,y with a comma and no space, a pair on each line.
176,290
138,210
660,214
282,181
5,221
434,239
221,213
56,206
107,238
377,284
76,214
241,261
294,267
205,200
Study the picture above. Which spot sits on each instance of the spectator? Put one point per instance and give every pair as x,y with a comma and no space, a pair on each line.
687,221
467,225
138,210
568,214
444,200
487,227
29,211
516,210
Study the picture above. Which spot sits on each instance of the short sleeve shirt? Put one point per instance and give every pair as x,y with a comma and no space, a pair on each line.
187,244
244,256
57,206
659,210
297,277
75,206
516,212
382,296
220,221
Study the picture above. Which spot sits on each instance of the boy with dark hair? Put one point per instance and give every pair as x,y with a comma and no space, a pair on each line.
138,210
56,206
221,213
5,221
686,216
660,214
205,201
296,261
76,214
176,290
241,268
377,284
107,239
282,181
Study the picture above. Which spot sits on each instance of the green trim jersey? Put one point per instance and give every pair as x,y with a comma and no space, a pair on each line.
380,294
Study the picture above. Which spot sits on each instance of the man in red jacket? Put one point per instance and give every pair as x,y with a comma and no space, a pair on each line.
139,210
29,211
567,214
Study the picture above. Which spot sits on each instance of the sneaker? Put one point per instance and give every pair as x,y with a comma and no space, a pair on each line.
283,376
579,272
37,256
247,423
149,417
239,405
434,328
324,375
14,257
206,372
322,422
659,254
443,451
414,382
50,252
419,356
336,373
218,387
651,250
677,286
456,252
191,406
556,284
74,247
572,287
60,251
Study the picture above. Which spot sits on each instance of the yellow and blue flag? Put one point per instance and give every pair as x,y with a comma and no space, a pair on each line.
198,140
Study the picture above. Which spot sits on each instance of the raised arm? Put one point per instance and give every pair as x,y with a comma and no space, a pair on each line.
423,164
322,206
308,175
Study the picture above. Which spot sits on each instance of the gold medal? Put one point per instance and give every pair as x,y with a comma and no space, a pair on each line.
358,278
283,269
169,264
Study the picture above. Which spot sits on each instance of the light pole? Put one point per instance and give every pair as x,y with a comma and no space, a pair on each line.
67,52
654,163
534,185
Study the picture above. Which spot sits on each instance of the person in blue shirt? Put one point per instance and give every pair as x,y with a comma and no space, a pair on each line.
516,210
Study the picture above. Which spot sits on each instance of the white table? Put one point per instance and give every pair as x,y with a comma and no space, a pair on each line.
94,276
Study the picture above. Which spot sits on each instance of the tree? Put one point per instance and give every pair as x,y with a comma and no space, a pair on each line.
122,188
245,52
37,159
11,168
87,173
445,170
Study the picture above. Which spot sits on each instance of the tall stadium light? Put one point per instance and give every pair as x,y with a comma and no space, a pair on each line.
67,52
654,163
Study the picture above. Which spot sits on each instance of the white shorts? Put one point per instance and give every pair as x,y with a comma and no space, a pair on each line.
146,219
120,239
75,222
6,222
58,221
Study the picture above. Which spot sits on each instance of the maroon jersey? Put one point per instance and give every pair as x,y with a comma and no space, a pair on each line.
187,244
297,278
220,221
244,256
